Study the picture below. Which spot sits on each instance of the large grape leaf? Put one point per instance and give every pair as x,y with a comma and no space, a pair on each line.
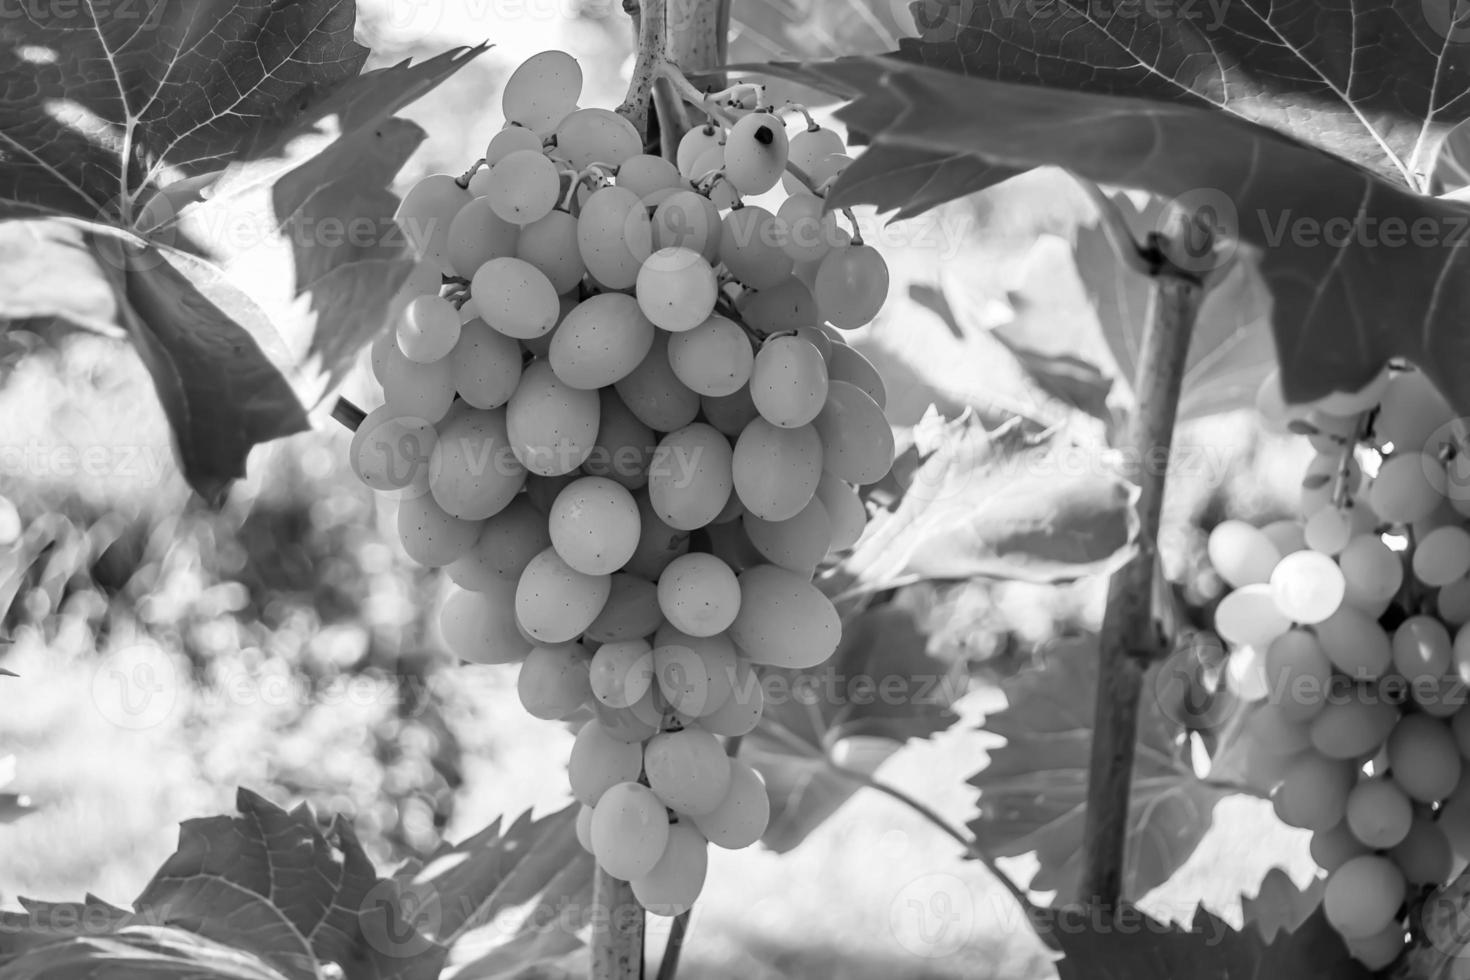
137,953
114,110
1006,504
881,688
1033,791
1333,236
1133,946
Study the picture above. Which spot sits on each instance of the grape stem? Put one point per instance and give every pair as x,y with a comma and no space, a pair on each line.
347,413
650,21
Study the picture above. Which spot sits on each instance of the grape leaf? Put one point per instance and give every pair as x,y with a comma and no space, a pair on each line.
1136,947
1349,294
138,953
881,684
1279,905
1033,791
1002,504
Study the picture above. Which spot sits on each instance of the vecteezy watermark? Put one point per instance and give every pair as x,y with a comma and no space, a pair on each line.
933,916
1450,19
144,466
140,15
136,687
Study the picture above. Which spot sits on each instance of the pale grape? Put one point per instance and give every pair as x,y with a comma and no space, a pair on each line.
614,236
428,330
776,471
750,247
1287,536
430,535
426,213
784,620
851,286
845,510
1460,654
857,440
1241,554
694,144
1423,757
390,453
1421,649
808,149
1372,572
594,525
788,306
515,298
621,673
676,289
550,245
631,610
480,627
687,770
1424,855
1354,726
1299,674
507,543
485,365
478,235
414,390
584,827
798,543
1308,587
555,602
630,830
553,681
1379,813
672,885
552,426
510,139
828,167
635,724
1363,896
848,364
1453,603
788,381
1402,492
542,491
1412,410
1442,556
713,359
654,393
589,136
645,173
742,816
1329,530
601,341
807,230
1248,617
699,594
729,413
473,472
624,447
658,543
1276,733
691,477
742,710
1355,643
1333,848
685,219
1314,793
542,91
695,674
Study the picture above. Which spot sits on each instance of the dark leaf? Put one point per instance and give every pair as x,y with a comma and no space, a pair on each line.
1279,905
1033,791
138,953
879,690
1136,947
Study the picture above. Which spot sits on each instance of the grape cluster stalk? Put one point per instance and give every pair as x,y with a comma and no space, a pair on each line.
619,411
1350,625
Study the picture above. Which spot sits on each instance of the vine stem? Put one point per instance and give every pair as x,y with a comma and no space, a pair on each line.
617,929
1131,637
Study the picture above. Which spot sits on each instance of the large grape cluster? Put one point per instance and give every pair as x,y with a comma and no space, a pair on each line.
1350,625
617,412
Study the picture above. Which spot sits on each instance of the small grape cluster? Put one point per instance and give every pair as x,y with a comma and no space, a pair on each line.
1349,625
619,413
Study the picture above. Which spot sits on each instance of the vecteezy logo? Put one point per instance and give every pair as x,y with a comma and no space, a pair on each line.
1211,230
400,919
932,20
135,687
1450,19
933,916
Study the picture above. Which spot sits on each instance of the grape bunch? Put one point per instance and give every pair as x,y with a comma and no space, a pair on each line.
620,412
1349,624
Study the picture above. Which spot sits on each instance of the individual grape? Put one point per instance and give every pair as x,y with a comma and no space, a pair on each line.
1355,643
630,830
857,441
478,235
1421,649
552,426
844,509
776,471
1439,697
584,827
1286,536
851,286
1241,554
742,710
553,681
1333,848
644,173
1452,604
699,595
784,620
589,136
413,390
550,245
788,381
1308,587
1371,571
510,139
507,543
713,359
621,674
631,610
687,770
429,535
1314,793
731,413
614,236
685,219
1354,726
727,541
542,91
1380,949
818,339
809,148
485,366
1299,674
624,446
480,627
1424,855
851,366
675,882
750,247
797,544
676,289
1329,530
1423,758
473,474
1402,492
807,229
695,674
542,491
755,153
828,167
594,525
1411,411
788,306
742,816
655,394
658,543
634,725
390,453
428,330
425,214
1248,617
1379,813
515,298
694,144
1442,556
555,602
601,341
690,477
